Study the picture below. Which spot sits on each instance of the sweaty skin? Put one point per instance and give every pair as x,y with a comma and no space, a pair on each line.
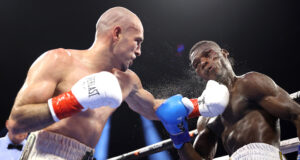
255,107
117,43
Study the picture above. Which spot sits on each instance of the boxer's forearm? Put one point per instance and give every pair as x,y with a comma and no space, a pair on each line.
297,125
143,103
157,103
187,152
30,117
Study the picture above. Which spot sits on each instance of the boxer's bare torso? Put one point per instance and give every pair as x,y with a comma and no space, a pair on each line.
118,38
56,71
252,116
255,106
86,127
245,120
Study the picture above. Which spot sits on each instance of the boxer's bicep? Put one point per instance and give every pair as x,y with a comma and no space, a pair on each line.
40,82
187,152
273,98
30,110
281,105
35,92
206,143
139,99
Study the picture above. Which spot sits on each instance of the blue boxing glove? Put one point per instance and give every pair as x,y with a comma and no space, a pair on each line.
173,115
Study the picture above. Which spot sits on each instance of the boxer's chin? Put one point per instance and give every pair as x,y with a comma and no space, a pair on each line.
123,68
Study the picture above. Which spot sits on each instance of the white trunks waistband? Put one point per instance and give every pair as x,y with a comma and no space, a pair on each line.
49,145
257,151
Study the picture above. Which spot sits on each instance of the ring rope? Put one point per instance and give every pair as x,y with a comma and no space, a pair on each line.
286,146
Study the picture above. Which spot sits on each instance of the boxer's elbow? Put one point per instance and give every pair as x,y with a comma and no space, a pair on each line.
16,121
14,126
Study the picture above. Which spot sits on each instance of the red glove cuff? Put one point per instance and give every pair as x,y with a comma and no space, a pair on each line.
195,112
65,105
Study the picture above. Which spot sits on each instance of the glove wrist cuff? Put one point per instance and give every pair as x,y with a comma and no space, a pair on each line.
180,139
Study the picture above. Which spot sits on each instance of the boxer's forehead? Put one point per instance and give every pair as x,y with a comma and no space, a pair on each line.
198,52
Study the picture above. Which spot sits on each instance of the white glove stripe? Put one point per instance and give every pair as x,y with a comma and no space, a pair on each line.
188,104
52,110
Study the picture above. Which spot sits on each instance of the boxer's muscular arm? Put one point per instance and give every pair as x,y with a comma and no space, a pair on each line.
30,111
140,100
143,103
274,99
187,152
205,144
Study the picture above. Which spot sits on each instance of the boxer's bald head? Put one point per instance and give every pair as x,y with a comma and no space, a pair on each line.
119,35
117,17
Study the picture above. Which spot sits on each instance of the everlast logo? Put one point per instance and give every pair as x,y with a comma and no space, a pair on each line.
91,87
181,126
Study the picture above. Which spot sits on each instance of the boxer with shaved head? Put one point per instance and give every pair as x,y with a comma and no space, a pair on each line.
69,94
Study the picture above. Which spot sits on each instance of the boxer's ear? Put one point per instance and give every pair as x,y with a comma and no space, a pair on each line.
116,33
225,52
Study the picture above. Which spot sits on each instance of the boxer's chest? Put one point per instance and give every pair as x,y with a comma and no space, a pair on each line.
70,78
238,106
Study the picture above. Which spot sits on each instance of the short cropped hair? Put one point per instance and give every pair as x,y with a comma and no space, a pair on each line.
201,43
209,43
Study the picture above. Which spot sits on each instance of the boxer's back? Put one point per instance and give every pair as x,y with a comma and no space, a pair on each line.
244,121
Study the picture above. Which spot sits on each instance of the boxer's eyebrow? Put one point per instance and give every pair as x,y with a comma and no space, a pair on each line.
206,52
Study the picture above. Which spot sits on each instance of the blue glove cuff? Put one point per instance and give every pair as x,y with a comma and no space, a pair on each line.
180,139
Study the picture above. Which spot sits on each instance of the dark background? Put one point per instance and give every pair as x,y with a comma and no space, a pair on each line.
260,35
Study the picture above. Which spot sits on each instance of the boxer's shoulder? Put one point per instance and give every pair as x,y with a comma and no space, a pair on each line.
51,63
253,77
53,57
248,81
128,75
254,86
256,80
60,56
127,72
132,74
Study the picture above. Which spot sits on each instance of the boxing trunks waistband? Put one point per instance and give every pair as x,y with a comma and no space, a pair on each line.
257,151
52,146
